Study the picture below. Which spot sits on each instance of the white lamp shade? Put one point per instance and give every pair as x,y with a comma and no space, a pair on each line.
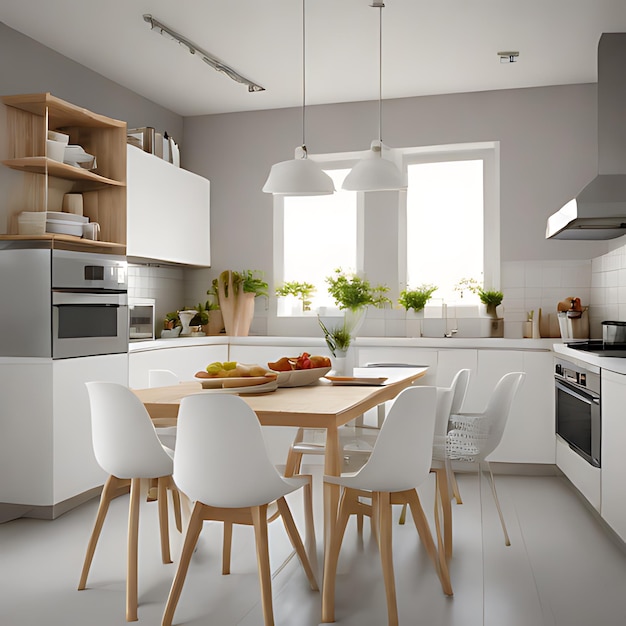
298,177
374,173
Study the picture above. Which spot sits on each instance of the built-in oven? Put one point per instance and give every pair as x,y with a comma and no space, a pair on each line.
578,408
62,303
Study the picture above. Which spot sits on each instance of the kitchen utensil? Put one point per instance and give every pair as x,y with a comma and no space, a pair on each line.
55,150
91,230
73,203
613,333
301,378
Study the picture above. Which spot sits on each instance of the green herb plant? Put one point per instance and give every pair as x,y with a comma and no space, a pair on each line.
416,299
302,291
337,338
353,292
251,281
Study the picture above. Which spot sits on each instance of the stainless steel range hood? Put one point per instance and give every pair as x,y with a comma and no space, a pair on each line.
599,210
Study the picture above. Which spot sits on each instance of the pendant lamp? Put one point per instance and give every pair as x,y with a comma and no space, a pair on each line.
300,176
373,172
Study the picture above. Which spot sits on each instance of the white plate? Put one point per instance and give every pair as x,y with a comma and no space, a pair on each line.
301,378
250,389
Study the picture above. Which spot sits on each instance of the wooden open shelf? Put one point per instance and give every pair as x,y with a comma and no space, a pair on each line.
43,165
70,242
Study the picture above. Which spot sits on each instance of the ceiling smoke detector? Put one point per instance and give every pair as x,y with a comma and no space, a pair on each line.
508,56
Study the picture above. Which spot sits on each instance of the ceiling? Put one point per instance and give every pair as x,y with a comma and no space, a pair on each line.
448,46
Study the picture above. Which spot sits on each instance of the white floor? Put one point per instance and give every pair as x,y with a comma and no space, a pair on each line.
562,569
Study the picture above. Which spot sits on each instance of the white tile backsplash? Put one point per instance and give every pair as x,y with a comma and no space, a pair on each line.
600,283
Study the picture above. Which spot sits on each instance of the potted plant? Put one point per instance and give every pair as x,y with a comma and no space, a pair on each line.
236,292
302,291
353,295
416,299
491,298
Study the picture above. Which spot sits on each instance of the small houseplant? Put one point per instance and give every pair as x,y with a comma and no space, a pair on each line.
302,291
491,298
353,292
416,299
236,292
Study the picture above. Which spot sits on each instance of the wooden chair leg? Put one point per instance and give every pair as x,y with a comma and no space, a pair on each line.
337,532
133,536
175,503
309,524
191,538
441,478
113,487
226,547
421,524
259,519
455,486
402,519
386,555
296,541
164,526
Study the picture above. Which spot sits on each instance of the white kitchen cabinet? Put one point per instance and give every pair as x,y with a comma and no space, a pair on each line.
168,211
46,454
529,434
613,459
184,361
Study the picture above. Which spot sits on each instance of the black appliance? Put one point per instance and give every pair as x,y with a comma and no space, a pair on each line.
578,409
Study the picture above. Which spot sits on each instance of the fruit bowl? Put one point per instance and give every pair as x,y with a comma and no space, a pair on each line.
301,378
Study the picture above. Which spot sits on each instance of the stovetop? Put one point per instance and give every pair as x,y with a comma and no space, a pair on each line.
597,347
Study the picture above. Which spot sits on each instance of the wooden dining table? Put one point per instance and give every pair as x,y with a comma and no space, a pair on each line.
321,405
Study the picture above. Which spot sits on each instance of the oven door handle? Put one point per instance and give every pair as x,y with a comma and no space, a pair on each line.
583,397
60,298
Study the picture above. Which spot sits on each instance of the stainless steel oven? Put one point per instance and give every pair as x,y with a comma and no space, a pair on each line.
62,303
578,408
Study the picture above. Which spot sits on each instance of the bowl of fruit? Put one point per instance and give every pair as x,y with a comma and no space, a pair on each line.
301,370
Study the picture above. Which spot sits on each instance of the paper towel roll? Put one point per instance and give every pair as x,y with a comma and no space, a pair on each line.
73,203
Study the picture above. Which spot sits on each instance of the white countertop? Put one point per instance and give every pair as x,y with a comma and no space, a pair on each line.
614,364
442,343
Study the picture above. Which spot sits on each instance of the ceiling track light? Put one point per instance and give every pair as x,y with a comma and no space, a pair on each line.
300,176
205,56
373,172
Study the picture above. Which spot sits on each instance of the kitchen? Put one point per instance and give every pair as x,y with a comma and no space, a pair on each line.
548,139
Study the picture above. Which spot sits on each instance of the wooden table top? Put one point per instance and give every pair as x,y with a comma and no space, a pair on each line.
322,405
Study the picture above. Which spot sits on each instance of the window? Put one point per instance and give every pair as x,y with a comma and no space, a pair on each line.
452,229
319,235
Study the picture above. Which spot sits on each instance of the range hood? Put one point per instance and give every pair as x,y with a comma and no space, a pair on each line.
599,210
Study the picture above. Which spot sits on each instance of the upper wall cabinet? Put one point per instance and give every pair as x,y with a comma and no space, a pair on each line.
45,181
168,211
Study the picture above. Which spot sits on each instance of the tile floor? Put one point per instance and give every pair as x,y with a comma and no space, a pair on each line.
562,569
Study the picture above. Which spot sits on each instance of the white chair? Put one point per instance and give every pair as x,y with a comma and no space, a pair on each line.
165,429
449,400
474,436
221,463
400,462
126,446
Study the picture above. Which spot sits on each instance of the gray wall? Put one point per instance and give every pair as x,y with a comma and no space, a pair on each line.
548,142
26,66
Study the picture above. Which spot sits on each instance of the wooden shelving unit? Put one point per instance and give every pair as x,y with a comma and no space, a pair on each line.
45,181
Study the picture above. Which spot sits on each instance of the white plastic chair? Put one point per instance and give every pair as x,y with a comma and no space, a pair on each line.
399,463
449,400
474,436
126,446
221,463
164,429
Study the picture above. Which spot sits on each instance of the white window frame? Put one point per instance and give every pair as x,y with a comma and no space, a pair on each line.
489,154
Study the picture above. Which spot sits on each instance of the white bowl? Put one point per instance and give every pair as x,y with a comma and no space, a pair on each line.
301,378
55,150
